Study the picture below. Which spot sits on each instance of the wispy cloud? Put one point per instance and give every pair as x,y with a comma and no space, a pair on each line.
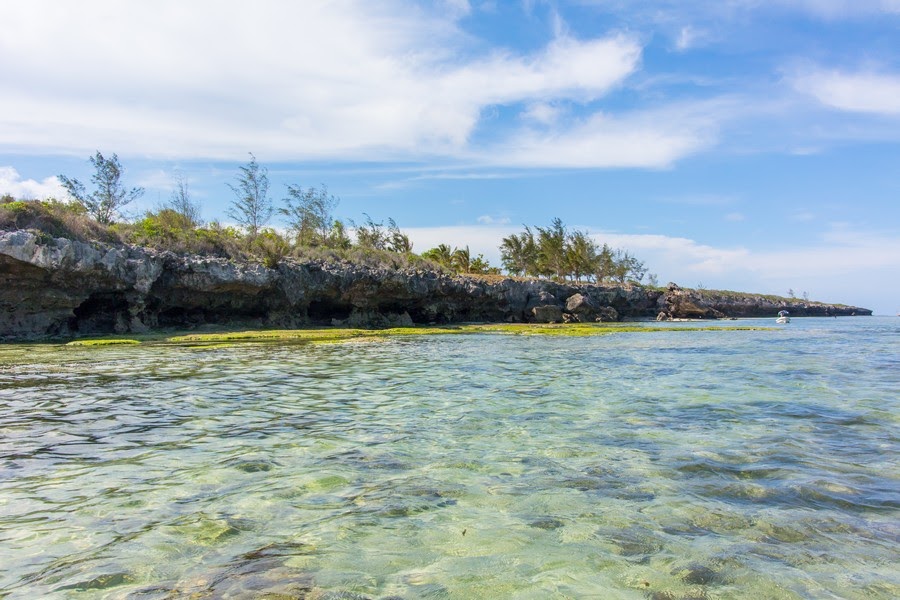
863,92
157,179
493,220
542,113
689,37
457,8
802,216
653,138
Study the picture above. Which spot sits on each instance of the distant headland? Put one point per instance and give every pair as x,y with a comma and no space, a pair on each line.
53,287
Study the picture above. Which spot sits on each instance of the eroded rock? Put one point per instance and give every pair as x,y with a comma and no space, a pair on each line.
64,288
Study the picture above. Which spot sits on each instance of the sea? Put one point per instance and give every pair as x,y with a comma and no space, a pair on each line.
663,465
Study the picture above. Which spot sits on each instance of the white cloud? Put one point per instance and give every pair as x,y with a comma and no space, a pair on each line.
481,239
688,38
12,183
489,220
542,113
652,138
347,79
856,92
735,217
157,179
849,266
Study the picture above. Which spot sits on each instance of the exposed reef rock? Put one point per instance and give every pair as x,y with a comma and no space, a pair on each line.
63,288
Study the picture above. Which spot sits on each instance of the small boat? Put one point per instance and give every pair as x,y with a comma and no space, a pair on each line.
783,317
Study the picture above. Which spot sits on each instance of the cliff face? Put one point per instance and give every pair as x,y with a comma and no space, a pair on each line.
61,288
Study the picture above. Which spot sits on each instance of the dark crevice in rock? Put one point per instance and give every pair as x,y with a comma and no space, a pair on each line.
101,312
326,309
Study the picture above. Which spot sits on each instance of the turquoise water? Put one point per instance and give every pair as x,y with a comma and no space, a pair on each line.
670,465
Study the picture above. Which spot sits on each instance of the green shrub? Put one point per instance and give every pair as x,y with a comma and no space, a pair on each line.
270,247
168,229
53,218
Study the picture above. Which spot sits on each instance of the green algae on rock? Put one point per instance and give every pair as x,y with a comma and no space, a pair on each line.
103,342
334,335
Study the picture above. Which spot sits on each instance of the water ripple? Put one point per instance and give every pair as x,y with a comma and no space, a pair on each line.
708,464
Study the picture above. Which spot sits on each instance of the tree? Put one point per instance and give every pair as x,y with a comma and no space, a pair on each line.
558,253
552,250
442,255
461,260
182,203
309,214
481,266
396,240
251,207
629,267
518,253
581,254
604,264
270,247
109,196
370,234
337,237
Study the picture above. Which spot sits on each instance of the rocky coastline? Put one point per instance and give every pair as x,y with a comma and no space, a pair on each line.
59,288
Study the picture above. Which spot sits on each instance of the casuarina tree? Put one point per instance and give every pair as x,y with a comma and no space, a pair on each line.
106,201
251,207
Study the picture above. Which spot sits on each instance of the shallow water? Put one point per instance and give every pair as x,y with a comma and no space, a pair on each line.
670,465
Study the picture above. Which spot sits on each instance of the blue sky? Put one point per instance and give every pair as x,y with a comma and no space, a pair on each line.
738,144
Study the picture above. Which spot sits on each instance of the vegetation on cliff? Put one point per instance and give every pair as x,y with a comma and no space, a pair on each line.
555,252
311,233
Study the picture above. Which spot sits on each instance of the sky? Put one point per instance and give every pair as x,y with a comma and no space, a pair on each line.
749,145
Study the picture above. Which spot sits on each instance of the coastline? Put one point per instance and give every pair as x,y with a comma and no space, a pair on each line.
64,289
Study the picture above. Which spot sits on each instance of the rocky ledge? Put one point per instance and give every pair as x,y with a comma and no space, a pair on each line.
62,288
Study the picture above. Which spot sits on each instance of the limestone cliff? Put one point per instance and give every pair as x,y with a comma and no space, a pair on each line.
62,288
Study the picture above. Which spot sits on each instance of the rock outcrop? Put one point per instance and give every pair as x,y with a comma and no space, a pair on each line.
64,288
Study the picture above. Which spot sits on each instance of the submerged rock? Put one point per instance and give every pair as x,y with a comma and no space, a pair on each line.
101,582
547,523
261,573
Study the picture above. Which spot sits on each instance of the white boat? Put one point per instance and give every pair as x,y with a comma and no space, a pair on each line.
783,317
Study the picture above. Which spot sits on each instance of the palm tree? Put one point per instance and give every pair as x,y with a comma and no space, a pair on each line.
461,260
512,254
442,255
